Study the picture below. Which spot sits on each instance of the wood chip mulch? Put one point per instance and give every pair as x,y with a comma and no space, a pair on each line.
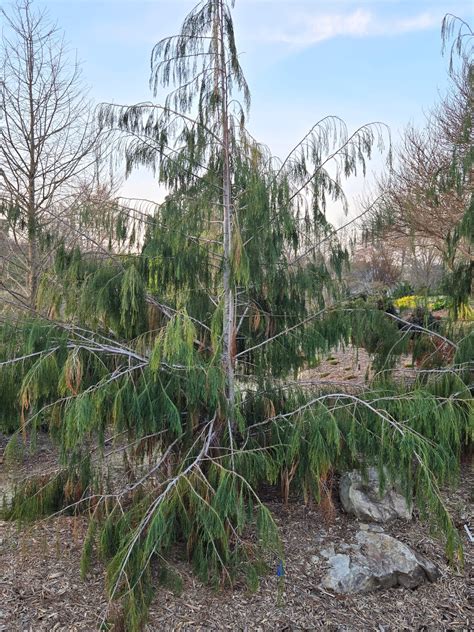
40,588
41,591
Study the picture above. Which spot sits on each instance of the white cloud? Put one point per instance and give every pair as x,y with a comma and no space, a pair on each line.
317,28
308,29
419,22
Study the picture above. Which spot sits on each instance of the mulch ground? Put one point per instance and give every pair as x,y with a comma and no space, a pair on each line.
350,368
40,587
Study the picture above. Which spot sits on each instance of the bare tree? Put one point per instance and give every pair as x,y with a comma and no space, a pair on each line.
374,268
47,144
425,199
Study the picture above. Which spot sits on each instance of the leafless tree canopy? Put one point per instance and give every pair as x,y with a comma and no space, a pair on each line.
423,205
47,144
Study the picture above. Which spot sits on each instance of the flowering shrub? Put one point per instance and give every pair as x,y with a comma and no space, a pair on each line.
432,303
414,300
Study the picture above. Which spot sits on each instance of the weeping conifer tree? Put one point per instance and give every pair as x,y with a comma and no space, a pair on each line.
185,355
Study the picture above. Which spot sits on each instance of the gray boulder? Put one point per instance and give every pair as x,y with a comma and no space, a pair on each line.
377,561
362,498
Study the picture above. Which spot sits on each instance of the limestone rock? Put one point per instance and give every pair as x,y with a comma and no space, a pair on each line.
362,498
377,561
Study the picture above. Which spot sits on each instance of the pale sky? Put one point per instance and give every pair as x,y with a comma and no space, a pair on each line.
362,60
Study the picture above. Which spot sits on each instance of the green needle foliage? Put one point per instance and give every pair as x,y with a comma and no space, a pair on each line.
458,175
184,355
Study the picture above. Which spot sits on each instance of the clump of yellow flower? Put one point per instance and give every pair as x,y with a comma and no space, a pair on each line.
414,300
466,312
407,302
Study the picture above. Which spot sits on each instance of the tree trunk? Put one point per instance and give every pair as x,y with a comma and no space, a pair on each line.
33,271
229,307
